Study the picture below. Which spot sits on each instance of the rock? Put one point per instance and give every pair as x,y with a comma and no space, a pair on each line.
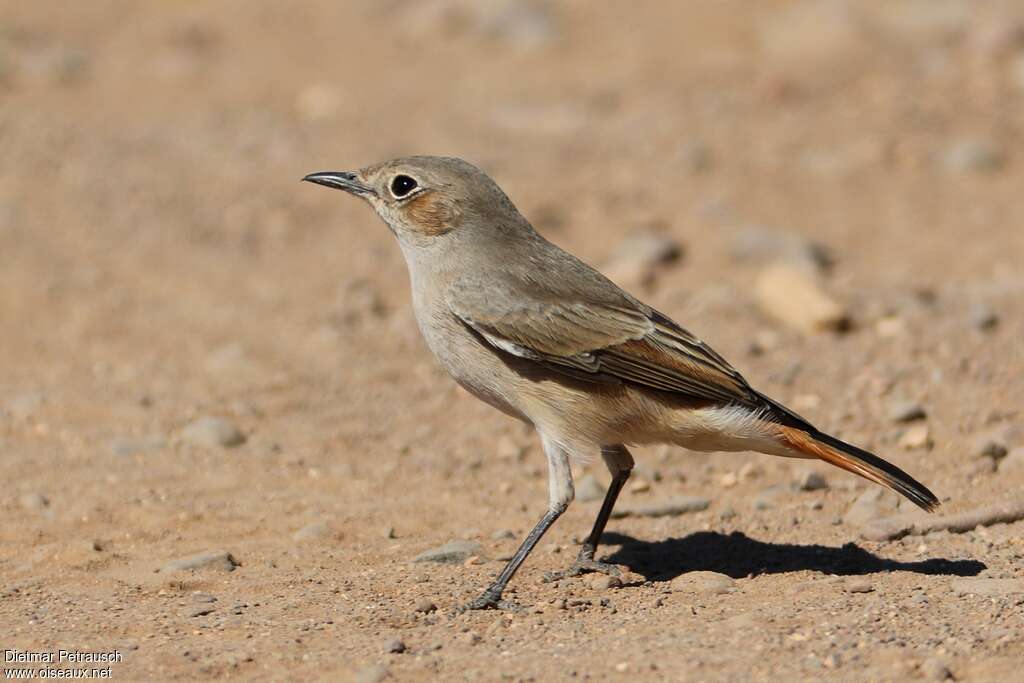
36,502
934,669
677,505
917,436
874,503
425,606
973,155
502,535
994,444
703,582
636,260
394,646
750,471
859,586
794,298
1014,460
452,552
212,432
603,582
134,445
987,587
313,531
906,411
469,637
728,480
762,245
808,479
219,560
984,318
588,488
202,598
375,673
200,611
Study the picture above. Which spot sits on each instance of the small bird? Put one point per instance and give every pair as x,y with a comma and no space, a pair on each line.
530,329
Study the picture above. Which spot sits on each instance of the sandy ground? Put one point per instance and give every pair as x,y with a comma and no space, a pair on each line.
160,264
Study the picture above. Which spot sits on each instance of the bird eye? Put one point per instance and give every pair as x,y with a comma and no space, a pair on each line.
402,185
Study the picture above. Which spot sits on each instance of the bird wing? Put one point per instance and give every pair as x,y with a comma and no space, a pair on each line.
604,336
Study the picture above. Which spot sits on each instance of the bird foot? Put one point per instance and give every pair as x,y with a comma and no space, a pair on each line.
491,600
584,564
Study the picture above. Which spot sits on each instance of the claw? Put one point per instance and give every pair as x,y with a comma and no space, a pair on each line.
489,600
584,564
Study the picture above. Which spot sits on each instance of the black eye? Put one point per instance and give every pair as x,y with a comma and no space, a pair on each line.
402,185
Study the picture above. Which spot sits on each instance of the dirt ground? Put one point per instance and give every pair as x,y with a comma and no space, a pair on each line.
161,265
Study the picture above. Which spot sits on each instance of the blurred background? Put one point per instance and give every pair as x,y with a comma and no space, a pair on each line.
201,351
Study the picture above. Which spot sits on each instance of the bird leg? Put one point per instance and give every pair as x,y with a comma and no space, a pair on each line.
620,464
560,494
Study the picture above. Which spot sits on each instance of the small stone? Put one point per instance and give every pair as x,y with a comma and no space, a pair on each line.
917,436
934,669
859,586
469,637
764,245
1014,460
906,411
212,432
640,486
219,560
704,582
987,587
201,597
425,606
808,479
375,673
34,501
728,480
452,552
993,444
394,646
726,514
793,297
502,535
670,507
750,471
973,155
603,582
200,611
313,531
984,318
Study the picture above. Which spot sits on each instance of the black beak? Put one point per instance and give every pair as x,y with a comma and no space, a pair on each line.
341,180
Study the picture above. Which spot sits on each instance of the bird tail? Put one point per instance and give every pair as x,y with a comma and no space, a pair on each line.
857,460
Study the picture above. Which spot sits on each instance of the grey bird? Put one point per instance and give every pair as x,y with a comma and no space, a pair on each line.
538,334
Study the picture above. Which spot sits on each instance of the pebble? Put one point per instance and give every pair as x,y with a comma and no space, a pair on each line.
375,673
704,582
750,471
793,297
906,411
934,669
763,245
987,587
313,531
220,560
425,606
972,155
984,318
677,505
728,480
469,637
34,501
588,488
808,479
394,646
917,436
452,552
636,260
859,586
1014,460
134,445
502,535
993,444
603,582
212,432
201,597
200,611
874,503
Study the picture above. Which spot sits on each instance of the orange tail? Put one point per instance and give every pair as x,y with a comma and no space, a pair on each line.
859,461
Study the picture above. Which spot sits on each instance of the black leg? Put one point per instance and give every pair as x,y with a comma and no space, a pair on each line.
560,495
620,463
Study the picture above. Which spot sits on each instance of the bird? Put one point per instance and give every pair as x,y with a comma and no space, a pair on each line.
535,332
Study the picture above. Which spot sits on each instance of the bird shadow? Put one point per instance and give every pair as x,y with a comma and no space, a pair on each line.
738,555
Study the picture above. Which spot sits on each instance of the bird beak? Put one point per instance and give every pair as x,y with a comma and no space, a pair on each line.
341,180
